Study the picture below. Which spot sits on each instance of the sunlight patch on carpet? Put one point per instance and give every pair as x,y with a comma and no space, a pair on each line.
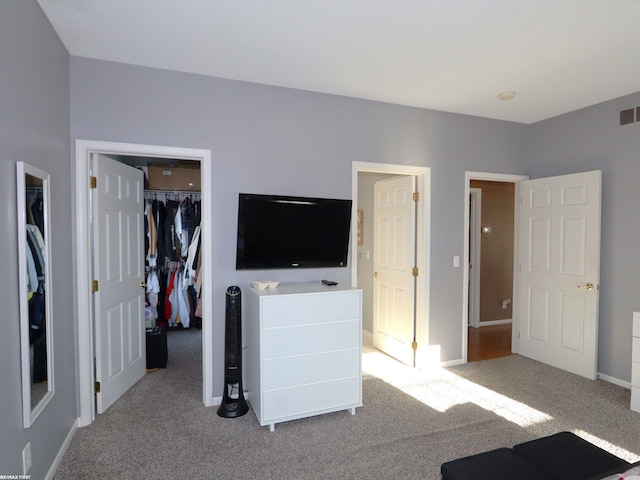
609,447
442,390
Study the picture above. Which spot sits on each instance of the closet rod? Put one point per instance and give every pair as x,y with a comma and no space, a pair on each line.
176,192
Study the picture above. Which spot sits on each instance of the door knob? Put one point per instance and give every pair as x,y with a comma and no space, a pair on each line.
588,286
143,285
375,274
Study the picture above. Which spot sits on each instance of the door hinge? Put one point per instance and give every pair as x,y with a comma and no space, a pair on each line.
414,345
415,271
94,286
93,182
416,196
96,387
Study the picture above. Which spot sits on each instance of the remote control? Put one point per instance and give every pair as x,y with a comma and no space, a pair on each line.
329,282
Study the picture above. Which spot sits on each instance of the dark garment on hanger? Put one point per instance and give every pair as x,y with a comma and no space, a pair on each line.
37,212
194,264
191,217
160,213
38,257
36,316
40,360
172,241
163,278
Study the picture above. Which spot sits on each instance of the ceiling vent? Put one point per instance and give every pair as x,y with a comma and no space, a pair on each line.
628,116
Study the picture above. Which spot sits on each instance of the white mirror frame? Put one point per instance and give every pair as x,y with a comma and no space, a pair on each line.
23,170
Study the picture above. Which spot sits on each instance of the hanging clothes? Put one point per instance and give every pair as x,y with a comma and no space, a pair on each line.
172,230
153,284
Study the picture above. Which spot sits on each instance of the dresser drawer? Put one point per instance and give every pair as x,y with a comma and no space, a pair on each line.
322,367
288,310
307,400
310,339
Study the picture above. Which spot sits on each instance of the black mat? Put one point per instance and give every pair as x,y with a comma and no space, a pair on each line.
565,456
500,464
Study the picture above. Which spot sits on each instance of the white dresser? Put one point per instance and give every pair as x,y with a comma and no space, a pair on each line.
635,364
304,349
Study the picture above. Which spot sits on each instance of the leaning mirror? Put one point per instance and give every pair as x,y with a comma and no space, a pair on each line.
34,257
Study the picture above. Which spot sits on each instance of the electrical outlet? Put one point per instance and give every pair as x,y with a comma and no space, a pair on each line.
26,458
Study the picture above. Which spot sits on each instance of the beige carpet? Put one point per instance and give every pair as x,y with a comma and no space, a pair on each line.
411,422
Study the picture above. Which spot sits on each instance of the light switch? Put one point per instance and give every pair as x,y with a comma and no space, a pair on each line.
456,261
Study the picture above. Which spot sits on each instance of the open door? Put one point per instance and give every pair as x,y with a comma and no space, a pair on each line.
394,292
475,222
557,303
118,269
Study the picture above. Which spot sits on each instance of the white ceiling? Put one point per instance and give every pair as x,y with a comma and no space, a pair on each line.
449,55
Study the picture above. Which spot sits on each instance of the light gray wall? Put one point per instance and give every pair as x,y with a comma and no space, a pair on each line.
591,139
281,141
272,140
34,128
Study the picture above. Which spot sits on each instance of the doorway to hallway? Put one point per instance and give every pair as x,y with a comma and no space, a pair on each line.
489,342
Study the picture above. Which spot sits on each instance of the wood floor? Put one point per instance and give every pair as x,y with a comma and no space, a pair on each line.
489,342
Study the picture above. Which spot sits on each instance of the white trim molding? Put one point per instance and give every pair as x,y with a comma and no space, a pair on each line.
85,355
425,355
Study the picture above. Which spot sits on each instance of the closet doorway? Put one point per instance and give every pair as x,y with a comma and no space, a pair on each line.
132,153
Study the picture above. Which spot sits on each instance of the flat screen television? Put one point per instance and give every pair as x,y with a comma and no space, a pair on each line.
277,232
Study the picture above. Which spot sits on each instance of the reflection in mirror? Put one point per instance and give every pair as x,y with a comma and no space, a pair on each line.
34,254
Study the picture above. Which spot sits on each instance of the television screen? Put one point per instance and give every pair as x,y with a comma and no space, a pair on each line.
276,231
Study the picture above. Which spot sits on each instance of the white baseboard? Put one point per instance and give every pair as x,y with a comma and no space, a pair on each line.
63,450
615,381
451,363
493,322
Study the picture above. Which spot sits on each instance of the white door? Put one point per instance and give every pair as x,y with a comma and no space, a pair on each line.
475,222
559,235
394,258
118,267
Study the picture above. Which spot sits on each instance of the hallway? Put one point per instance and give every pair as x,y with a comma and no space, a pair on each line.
489,342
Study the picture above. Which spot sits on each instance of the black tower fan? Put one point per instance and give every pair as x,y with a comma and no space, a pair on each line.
233,402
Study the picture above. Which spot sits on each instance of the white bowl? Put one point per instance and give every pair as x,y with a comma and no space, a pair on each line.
262,284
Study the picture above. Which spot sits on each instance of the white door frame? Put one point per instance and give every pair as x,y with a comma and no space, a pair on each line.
423,176
475,255
84,321
494,177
